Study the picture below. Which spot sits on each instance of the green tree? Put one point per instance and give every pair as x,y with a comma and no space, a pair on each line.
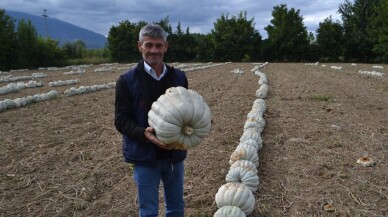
181,46
287,36
378,29
27,41
122,41
188,44
330,40
204,48
49,53
7,41
266,53
235,39
165,24
98,53
75,50
356,19
312,49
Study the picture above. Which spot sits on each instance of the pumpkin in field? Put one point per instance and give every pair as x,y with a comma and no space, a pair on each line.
254,123
244,164
236,194
229,211
180,117
251,134
243,174
262,92
246,152
259,105
252,143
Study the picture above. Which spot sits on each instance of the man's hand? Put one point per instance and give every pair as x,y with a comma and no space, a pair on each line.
149,134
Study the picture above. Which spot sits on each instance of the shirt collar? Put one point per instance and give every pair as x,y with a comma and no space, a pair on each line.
151,72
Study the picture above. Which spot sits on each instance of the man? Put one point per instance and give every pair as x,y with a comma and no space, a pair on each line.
136,90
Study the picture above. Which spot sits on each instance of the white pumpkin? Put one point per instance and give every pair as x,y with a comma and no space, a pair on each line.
243,175
251,134
252,143
262,92
245,164
255,112
255,122
263,79
245,153
259,104
258,73
229,211
180,117
236,194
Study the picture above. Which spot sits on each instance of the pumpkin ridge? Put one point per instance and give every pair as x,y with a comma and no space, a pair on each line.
198,107
159,108
169,103
204,119
187,109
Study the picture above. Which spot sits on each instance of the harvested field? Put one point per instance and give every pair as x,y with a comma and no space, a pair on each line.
62,157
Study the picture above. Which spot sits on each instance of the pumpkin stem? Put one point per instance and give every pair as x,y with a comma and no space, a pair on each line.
187,130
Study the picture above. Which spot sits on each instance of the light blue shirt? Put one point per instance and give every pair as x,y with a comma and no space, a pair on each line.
152,72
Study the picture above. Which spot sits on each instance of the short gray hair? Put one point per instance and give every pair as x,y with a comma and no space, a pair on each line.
153,31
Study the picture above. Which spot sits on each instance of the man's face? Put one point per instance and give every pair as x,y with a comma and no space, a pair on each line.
152,50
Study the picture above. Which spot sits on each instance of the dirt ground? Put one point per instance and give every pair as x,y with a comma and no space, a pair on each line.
63,157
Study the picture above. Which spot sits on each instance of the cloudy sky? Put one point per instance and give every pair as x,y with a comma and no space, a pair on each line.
100,15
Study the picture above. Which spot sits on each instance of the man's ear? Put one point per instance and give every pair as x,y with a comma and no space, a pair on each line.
166,45
139,44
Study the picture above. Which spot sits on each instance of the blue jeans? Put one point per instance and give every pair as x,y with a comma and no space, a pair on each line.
148,180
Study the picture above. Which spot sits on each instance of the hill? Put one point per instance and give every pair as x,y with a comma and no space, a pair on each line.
62,31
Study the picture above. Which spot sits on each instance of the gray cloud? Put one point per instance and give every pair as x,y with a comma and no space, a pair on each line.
199,16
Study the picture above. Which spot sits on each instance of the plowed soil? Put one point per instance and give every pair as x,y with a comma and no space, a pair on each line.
62,157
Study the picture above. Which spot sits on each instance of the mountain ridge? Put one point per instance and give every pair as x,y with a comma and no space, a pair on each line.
61,31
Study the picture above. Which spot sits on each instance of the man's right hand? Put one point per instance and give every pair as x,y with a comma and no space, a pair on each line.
149,134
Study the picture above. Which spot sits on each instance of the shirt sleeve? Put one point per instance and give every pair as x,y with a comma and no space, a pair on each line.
123,109
186,83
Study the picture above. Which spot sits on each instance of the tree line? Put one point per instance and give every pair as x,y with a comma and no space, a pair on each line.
21,48
360,36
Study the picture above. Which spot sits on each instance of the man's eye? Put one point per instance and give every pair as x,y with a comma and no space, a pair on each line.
150,45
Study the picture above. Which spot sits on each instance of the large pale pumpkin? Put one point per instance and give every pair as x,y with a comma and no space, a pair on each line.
256,123
244,164
262,92
236,194
229,211
252,143
249,134
259,105
180,117
243,175
246,152
263,79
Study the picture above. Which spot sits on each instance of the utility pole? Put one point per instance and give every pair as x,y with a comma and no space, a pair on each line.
45,21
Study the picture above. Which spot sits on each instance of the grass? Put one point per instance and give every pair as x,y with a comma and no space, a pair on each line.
321,98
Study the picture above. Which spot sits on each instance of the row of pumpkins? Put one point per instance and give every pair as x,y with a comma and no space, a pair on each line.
24,101
14,87
236,198
182,119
